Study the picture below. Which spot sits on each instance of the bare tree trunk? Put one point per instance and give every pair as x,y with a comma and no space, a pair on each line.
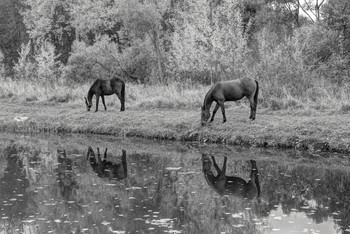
159,56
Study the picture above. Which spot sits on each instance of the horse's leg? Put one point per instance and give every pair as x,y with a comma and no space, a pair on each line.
216,165
254,176
214,112
97,99
103,101
221,103
224,166
252,108
122,108
105,155
125,168
98,155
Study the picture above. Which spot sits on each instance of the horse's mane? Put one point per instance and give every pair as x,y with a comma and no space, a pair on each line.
208,98
91,89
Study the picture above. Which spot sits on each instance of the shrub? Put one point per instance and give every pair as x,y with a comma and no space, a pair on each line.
345,108
103,60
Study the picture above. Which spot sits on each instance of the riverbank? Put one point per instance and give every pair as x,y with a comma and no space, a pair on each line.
314,130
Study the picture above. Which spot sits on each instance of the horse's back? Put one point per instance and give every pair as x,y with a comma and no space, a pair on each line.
108,87
234,90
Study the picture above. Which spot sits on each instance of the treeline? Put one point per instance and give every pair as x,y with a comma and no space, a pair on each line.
294,46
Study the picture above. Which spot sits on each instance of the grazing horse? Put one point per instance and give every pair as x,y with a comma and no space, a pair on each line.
230,91
231,185
106,87
107,169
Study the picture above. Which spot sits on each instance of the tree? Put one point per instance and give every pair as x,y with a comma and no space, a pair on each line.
209,43
312,8
50,20
337,16
12,31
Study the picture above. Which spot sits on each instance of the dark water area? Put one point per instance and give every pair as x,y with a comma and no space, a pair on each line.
94,184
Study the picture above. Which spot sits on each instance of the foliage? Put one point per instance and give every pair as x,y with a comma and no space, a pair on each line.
103,59
50,21
48,68
25,68
42,67
197,41
12,32
209,41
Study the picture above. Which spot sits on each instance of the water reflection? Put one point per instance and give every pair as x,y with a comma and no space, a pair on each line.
231,185
13,185
105,168
66,178
52,185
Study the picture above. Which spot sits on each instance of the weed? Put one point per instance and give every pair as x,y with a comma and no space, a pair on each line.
345,108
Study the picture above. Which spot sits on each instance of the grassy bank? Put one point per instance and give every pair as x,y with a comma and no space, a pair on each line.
309,129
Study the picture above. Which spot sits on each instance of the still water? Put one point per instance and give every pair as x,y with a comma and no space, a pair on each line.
89,184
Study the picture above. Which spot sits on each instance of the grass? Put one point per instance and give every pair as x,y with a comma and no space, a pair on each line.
316,131
284,123
137,95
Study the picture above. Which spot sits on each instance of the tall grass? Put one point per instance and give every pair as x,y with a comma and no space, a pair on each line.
173,95
176,95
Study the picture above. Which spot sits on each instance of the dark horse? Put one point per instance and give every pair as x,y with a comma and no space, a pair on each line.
106,87
107,169
230,91
231,185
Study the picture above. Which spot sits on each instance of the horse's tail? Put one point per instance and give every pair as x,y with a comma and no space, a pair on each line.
256,93
123,96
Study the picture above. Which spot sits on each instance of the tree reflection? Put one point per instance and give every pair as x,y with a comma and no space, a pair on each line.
319,193
65,176
13,188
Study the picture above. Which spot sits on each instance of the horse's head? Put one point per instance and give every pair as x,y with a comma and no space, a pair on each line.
88,104
205,114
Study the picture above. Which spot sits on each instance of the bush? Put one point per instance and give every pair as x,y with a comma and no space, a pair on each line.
103,60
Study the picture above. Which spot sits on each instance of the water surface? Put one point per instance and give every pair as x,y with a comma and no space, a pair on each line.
89,184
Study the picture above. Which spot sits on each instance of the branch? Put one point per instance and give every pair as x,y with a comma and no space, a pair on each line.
307,13
321,3
287,6
310,8
123,70
103,66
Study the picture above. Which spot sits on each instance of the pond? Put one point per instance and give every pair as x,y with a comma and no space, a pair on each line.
100,184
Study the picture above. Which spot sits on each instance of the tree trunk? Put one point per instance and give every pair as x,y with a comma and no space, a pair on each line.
159,57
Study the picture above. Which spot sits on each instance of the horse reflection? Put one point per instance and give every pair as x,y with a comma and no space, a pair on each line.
107,169
231,185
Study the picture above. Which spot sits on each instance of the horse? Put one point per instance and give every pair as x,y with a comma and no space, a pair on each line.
107,169
233,90
106,87
231,185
